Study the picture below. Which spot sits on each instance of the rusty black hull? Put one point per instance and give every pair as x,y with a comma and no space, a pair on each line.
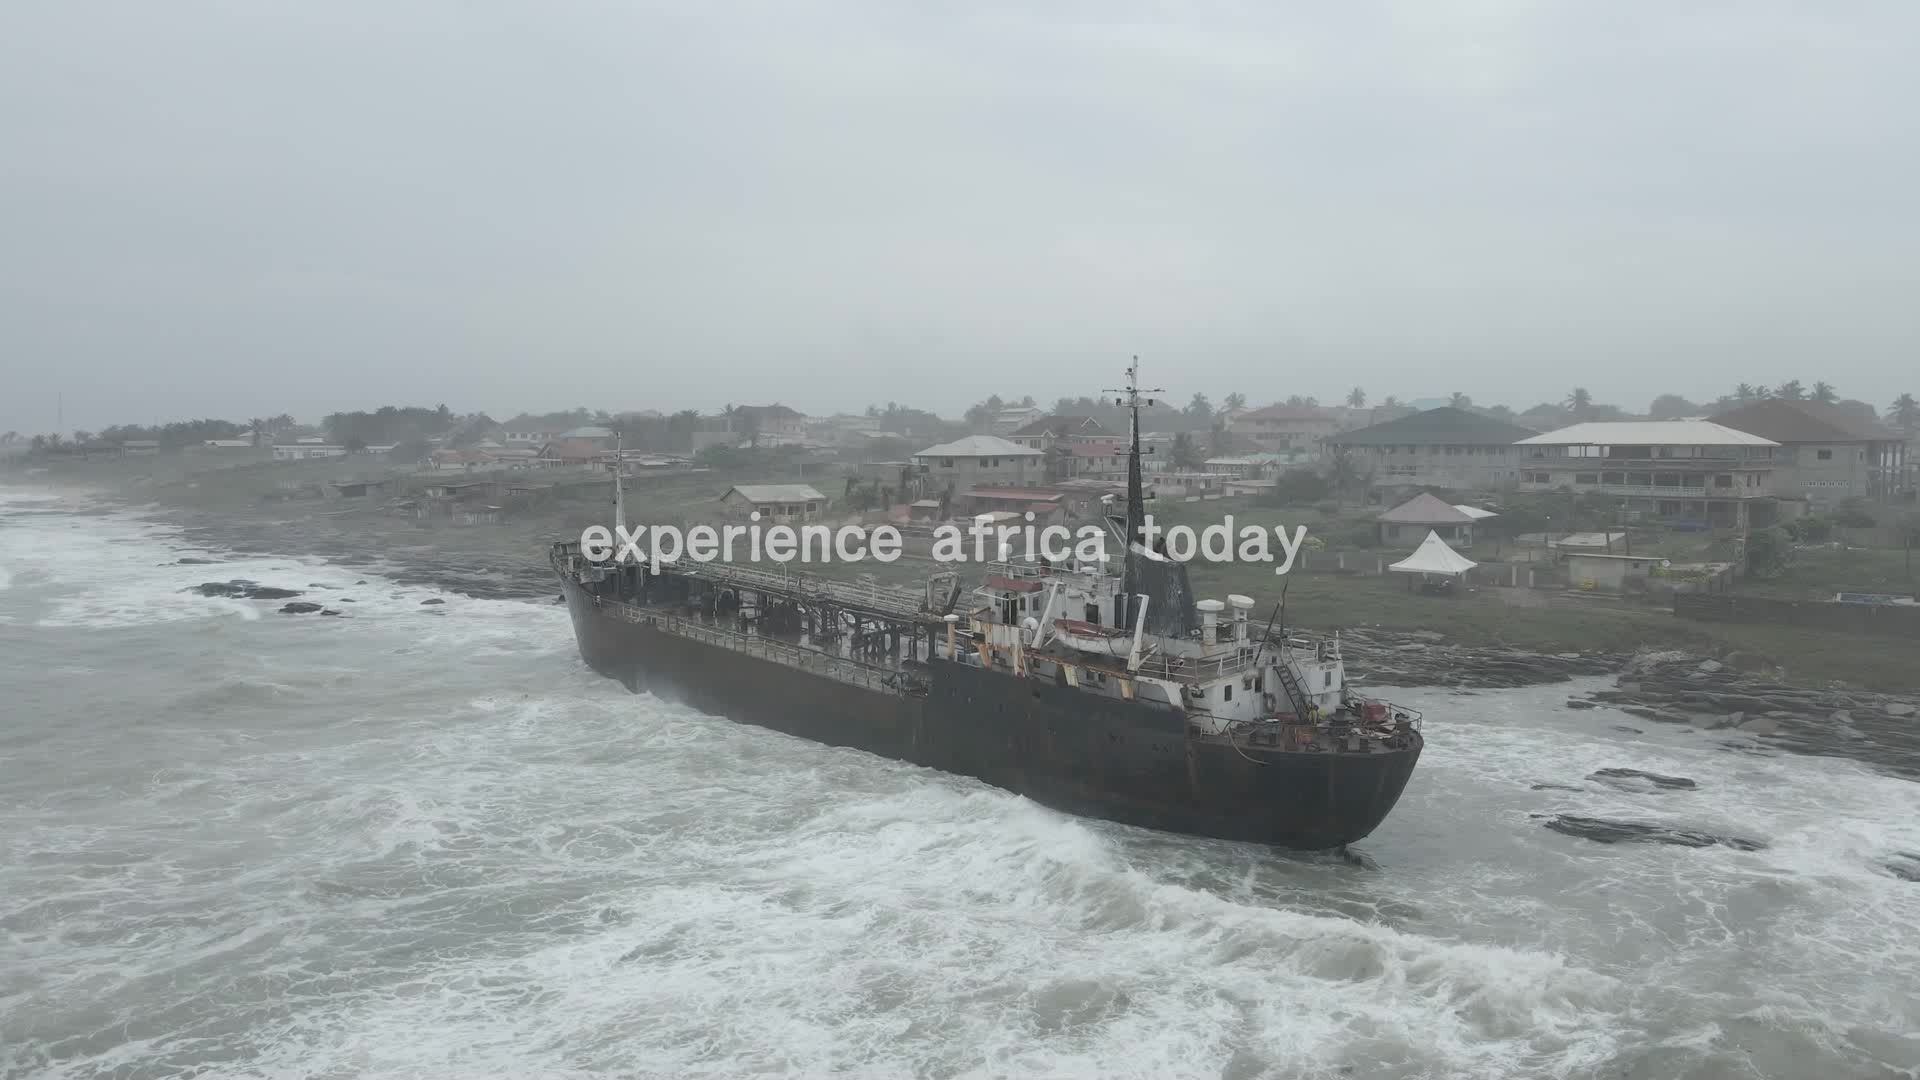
1117,760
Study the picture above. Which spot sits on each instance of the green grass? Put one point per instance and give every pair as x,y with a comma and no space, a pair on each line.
1818,573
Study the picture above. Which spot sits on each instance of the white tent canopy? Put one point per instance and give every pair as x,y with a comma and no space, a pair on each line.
1433,556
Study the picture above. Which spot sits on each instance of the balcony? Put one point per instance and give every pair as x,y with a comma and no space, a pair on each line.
1654,491
1617,464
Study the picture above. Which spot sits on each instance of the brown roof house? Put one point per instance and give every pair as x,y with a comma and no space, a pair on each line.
1412,520
1825,454
1280,428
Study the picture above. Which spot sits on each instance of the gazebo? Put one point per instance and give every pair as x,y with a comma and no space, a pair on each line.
1425,513
1433,558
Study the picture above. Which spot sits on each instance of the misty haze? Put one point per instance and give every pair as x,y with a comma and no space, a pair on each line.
852,540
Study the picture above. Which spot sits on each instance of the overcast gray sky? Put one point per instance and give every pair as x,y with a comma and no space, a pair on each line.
233,209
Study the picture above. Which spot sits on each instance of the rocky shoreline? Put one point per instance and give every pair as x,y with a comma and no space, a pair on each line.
1667,687
1424,658
1709,695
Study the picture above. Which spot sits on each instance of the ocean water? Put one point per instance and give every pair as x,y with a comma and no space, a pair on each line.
423,840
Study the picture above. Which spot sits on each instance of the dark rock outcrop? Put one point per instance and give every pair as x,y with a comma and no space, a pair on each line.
243,590
1735,693
430,603
1656,779
1603,831
1415,659
299,607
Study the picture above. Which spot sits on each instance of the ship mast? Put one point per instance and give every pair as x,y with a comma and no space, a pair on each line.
1136,500
619,494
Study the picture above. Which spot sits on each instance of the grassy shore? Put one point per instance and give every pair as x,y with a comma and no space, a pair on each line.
238,505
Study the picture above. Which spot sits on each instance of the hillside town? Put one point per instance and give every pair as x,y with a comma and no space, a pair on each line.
1751,459
1779,506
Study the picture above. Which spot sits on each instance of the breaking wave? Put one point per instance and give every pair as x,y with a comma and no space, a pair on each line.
413,844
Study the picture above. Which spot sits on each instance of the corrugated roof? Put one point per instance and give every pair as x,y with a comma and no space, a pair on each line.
1803,421
1445,426
776,493
571,448
1647,433
1013,494
1425,509
1061,425
1288,412
979,446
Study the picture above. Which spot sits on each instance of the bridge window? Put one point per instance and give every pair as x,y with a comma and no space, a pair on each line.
1228,696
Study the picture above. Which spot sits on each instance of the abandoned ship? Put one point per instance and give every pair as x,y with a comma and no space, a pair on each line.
1101,690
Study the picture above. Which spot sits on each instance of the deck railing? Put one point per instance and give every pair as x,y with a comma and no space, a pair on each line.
887,600
885,678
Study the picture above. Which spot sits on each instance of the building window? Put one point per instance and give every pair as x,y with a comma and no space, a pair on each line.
1724,480
1586,478
1824,455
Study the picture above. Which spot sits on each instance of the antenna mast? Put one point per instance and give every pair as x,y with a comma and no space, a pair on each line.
619,494
1130,400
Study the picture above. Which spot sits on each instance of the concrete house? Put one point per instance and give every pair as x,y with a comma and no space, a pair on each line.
1050,431
306,451
1692,470
979,461
1824,455
783,504
1014,417
1411,521
1445,448
1279,428
761,425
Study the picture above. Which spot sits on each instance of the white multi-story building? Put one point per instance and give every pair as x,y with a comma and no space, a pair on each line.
1694,470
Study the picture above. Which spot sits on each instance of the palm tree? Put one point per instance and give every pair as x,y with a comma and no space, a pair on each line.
1791,390
1235,400
259,431
1185,454
1357,398
1460,401
1391,402
1824,393
1579,401
1905,411
1745,392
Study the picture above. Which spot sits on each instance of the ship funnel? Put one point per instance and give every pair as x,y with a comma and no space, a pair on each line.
1210,620
1241,606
